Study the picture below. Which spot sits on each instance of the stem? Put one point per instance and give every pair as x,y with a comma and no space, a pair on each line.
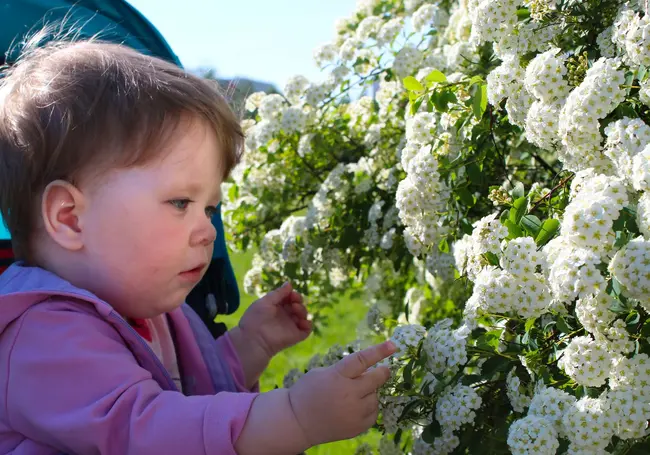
550,193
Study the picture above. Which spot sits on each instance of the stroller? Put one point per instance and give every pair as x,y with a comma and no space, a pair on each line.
117,21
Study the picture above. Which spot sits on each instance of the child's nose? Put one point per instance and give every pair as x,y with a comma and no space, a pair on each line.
205,234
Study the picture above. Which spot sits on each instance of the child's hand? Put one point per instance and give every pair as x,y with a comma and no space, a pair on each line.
340,402
276,321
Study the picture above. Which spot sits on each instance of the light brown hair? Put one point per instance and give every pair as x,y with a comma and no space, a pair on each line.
68,108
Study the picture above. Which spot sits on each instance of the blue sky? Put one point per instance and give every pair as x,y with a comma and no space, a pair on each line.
269,40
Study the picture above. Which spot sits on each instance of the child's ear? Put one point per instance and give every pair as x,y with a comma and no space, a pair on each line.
61,207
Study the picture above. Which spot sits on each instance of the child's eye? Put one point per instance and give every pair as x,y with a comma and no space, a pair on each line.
180,204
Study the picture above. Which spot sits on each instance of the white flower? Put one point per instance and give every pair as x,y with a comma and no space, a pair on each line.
641,170
628,412
295,88
407,61
632,373
421,128
631,267
593,312
429,16
457,406
586,361
626,138
292,377
545,77
519,400
389,31
446,348
492,19
325,54
586,424
254,100
505,80
643,214
592,100
533,435
542,125
408,336
293,119
368,27
551,404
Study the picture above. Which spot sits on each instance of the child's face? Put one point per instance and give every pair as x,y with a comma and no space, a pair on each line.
148,236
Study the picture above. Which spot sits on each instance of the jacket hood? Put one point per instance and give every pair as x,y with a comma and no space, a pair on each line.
23,286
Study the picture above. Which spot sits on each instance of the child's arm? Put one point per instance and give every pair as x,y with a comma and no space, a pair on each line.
327,404
71,384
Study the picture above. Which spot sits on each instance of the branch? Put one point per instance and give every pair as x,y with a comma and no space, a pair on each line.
550,193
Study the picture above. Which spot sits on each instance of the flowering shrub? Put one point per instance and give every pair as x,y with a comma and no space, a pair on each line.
478,170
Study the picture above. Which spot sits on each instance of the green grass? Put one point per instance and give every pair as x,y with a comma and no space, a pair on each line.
342,329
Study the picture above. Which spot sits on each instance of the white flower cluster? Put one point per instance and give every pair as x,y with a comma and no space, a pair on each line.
391,408
517,393
408,336
588,219
627,140
632,35
545,77
572,271
631,267
586,361
597,96
643,214
593,312
551,404
446,348
533,434
587,425
486,238
456,407
420,196
492,19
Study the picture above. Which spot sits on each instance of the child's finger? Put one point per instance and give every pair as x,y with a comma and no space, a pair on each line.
296,297
299,310
305,325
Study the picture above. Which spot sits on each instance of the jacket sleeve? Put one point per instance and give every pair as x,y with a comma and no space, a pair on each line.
74,385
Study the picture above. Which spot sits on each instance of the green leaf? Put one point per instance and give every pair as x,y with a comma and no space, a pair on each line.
514,231
518,209
465,196
563,326
431,432
441,99
492,258
474,173
633,318
479,101
494,365
531,224
530,323
518,190
547,232
416,105
435,76
475,80
443,246
412,84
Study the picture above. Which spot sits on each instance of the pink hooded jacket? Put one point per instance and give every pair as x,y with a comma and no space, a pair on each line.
76,378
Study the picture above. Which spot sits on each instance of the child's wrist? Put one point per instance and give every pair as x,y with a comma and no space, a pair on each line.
253,357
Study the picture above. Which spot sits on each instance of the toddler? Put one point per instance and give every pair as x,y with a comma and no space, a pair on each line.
110,170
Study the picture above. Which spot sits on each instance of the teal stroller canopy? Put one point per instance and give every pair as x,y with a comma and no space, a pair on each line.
119,22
